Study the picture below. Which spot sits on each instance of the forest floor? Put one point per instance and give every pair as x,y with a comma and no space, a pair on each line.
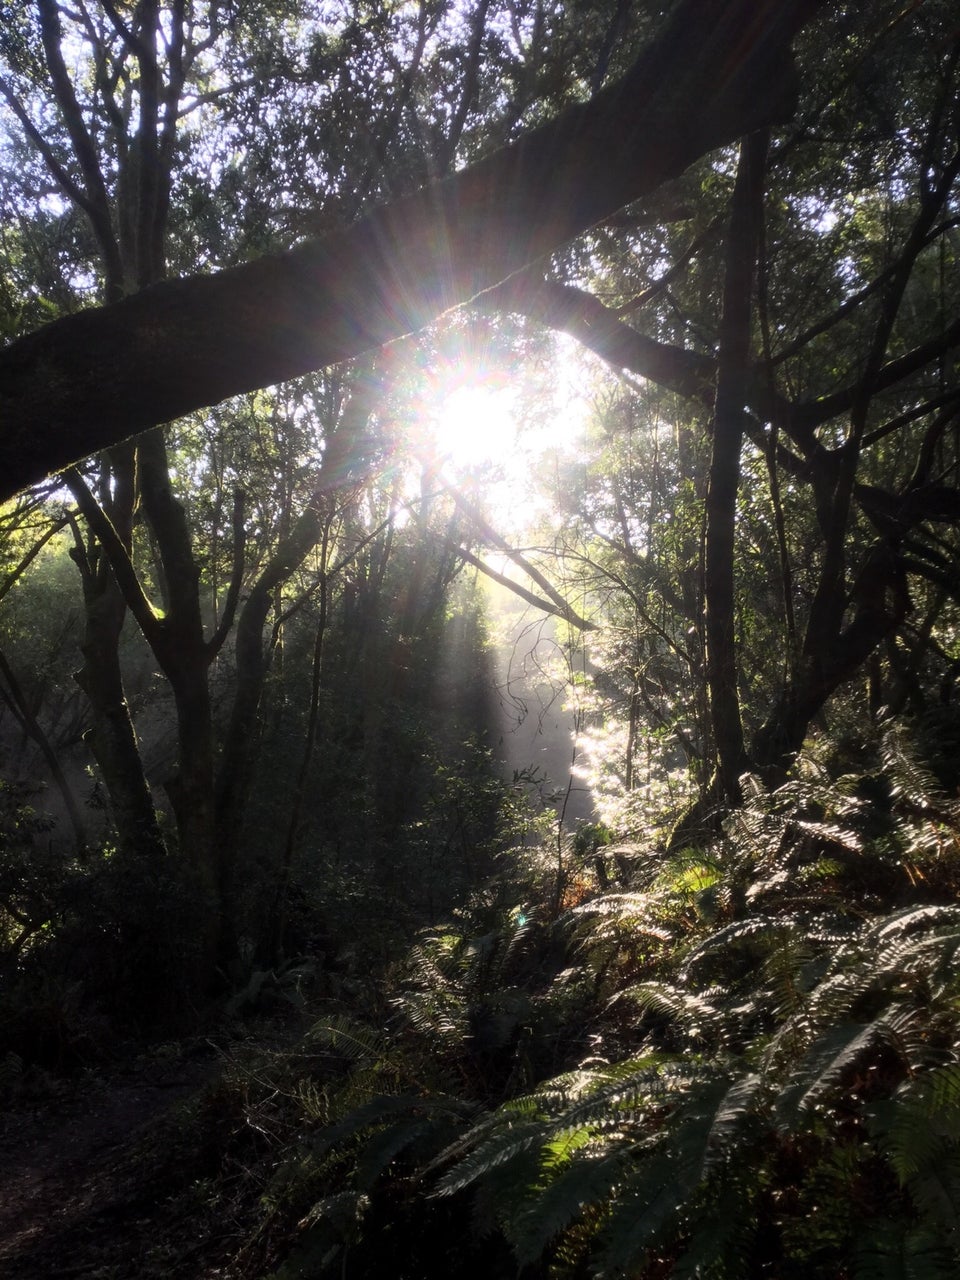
102,1176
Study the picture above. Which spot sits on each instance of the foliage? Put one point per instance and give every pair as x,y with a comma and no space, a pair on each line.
712,1033
753,1075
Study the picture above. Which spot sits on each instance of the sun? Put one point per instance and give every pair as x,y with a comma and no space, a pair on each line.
475,425
490,433
479,444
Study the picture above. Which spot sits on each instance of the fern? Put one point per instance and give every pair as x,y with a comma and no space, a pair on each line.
382,1149
512,1140
910,918
343,1210
897,1251
348,1037
722,1237
827,1061
913,782
759,928
745,1099
660,1188
562,1196
935,1191
812,1126
919,1132
697,1014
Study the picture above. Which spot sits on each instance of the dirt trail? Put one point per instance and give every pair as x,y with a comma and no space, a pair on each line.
75,1197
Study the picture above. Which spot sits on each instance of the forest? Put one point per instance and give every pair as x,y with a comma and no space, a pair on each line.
480,639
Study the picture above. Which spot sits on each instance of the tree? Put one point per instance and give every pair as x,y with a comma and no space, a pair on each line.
835,523
853,534
716,71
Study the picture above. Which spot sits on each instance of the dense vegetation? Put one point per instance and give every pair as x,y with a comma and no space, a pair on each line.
251,757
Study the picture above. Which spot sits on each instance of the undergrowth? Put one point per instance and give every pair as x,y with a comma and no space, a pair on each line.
743,1062
739,1060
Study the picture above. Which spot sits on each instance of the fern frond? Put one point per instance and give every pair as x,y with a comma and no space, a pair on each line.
826,1061
940,1092
343,1210
383,1111
922,1122
384,1147
638,912
740,1104
515,1139
618,1099
829,833
935,1190
573,1109
697,1013
752,930
438,1013
897,1251
722,1235
509,940
912,781
428,963
349,1038
911,918
584,1182
660,1190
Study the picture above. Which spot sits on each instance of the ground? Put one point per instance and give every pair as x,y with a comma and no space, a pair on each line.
102,1177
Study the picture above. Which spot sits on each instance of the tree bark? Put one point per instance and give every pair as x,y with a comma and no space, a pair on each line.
881,602
721,503
180,648
112,737
719,69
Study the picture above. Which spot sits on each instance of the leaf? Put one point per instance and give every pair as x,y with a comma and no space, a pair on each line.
917,917
347,1037
894,1251
822,1067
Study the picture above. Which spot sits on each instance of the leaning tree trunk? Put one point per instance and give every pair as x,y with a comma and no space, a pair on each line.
718,69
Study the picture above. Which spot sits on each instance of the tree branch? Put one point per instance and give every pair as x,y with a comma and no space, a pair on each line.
215,643
718,69
117,554
98,206
558,610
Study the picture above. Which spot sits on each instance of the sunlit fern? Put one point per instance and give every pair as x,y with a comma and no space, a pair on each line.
787,1099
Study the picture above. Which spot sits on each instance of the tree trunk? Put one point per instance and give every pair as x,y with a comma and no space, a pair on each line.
112,737
180,648
881,603
721,504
